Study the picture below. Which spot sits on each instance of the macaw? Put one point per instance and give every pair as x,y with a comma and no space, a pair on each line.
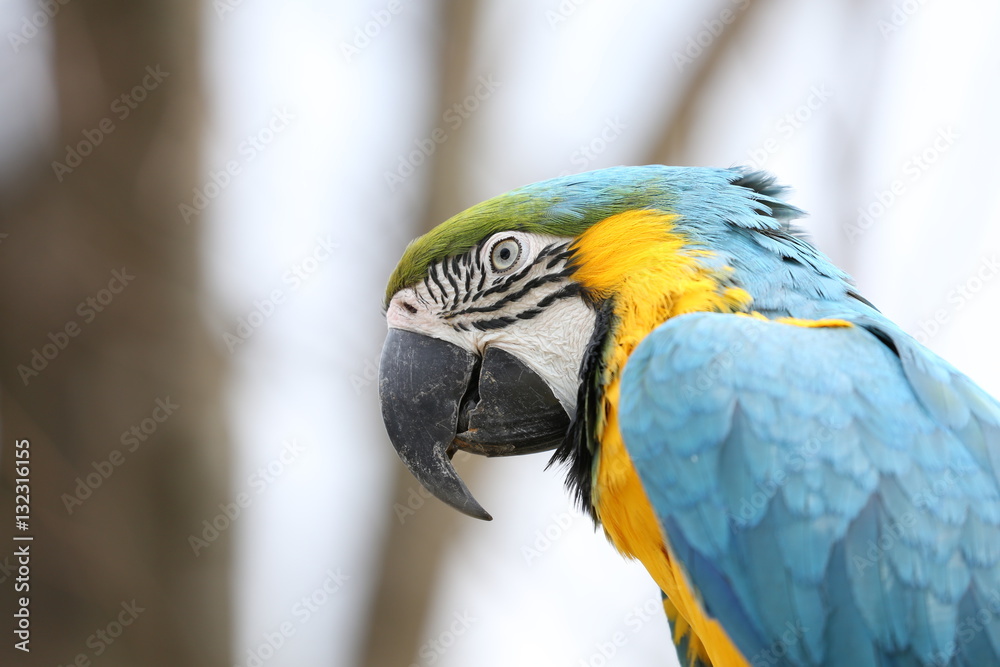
806,483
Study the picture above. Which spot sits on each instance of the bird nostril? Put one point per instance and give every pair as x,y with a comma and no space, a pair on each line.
409,307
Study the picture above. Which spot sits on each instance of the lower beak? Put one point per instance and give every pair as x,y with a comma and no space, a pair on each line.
438,398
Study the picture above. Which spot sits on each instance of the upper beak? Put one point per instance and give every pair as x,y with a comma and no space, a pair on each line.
438,398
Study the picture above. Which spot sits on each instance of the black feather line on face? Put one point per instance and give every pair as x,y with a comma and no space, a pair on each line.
580,446
453,281
437,281
570,290
427,287
507,281
530,285
496,323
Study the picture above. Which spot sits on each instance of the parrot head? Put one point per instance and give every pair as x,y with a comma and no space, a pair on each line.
501,318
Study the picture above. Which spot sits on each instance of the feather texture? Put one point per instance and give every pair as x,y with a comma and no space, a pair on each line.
872,521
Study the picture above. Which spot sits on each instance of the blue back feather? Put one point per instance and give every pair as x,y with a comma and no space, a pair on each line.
831,493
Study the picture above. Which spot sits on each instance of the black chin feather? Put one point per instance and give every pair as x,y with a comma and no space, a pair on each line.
579,448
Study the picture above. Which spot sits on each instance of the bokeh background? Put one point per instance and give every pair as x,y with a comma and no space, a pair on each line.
200,203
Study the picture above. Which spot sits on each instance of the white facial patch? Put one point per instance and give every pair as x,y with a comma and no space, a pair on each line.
512,291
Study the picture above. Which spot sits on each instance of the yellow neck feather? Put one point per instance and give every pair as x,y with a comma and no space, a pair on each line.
651,273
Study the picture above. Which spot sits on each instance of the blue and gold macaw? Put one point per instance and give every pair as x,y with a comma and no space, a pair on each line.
805,482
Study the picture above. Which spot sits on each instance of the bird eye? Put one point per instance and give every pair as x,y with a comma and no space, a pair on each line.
505,254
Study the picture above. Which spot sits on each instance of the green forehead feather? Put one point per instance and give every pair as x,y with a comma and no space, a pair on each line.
564,206
567,206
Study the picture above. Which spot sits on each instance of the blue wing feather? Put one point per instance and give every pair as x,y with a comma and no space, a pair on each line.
842,479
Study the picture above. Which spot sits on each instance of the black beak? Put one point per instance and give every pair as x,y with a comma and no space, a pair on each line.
438,398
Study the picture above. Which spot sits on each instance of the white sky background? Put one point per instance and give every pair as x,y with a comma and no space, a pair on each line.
305,373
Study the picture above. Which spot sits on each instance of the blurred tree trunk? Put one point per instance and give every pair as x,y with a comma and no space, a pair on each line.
122,406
